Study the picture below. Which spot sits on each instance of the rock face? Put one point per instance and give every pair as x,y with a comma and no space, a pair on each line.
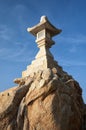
47,100
84,118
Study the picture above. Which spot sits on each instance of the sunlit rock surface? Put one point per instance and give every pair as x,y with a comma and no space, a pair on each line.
49,100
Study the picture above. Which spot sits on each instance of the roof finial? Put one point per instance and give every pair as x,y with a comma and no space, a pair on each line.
43,18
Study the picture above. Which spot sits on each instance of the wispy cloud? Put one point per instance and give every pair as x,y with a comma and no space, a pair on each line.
13,49
16,54
2,50
19,13
16,51
72,63
77,39
73,43
73,49
5,32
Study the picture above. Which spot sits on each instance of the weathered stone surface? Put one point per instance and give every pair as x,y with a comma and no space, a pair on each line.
46,101
9,105
43,31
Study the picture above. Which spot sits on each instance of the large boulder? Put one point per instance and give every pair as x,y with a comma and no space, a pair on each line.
46,100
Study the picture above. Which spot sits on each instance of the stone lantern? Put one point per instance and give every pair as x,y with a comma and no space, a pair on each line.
43,31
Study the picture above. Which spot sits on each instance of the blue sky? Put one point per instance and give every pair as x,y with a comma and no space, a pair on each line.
18,47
